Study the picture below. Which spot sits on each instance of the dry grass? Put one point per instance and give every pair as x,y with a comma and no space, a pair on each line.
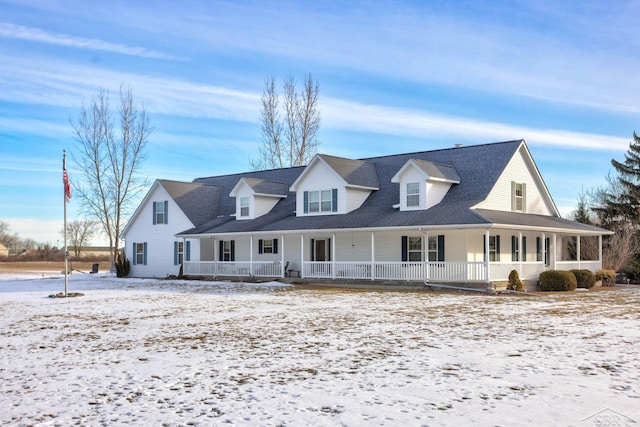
47,266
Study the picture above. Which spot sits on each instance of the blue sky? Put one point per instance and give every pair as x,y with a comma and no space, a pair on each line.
397,76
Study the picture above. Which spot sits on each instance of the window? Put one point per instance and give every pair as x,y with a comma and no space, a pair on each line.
411,248
435,248
413,194
321,201
538,249
518,196
494,248
160,212
244,206
140,253
268,246
515,248
227,250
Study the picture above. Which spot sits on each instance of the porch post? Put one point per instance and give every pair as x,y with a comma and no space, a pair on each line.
578,250
544,251
282,272
373,257
251,255
333,257
521,254
487,275
554,251
215,258
600,249
425,251
301,255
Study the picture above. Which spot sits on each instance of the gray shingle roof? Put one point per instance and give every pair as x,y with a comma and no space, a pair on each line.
478,167
354,172
262,186
438,170
196,200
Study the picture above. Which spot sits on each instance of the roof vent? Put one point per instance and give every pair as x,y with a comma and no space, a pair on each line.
458,145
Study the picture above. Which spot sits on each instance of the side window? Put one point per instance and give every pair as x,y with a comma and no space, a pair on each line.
160,212
413,194
139,253
178,253
494,248
518,196
227,250
321,201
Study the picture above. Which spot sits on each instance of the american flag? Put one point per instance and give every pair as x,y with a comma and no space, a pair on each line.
67,185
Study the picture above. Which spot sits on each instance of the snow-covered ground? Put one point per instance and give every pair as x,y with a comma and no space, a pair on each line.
156,352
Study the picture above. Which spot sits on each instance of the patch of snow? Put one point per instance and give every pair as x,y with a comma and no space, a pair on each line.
151,352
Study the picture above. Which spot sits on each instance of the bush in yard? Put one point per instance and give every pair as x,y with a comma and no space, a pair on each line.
515,284
584,278
557,280
607,277
122,266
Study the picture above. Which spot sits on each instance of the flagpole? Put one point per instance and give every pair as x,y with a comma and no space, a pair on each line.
64,195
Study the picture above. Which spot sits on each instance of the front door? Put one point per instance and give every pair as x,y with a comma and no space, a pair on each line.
320,250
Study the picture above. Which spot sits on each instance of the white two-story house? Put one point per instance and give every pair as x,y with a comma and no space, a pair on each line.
464,215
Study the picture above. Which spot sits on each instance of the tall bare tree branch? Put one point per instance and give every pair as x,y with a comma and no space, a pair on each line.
109,156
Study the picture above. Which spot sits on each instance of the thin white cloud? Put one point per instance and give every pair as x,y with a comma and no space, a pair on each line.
19,32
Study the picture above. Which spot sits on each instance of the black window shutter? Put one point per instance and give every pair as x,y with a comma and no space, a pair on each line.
538,249
260,246
523,249
275,246
497,248
188,250
233,250
221,251
175,253
334,200
514,242
306,202
328,250
166,212
484,246
144,248
313,250
134,255
154,213
405,249
440,247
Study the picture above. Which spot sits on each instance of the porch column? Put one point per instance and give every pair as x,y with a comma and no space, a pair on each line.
282,271
251,255
487,275
333,257
544,251
215,258
555,251
302,256
600,249
373,257
521,254
426,256
578,250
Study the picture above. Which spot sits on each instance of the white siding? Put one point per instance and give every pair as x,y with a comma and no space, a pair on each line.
355,198
245,191
159,237
262,205
436,192
518,170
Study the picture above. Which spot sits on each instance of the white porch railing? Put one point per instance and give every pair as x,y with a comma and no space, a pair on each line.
232,268
530,270
575,265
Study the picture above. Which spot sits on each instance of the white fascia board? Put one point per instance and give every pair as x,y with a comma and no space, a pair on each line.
136,214
317,158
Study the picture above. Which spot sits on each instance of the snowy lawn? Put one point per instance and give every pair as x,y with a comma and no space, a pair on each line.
149,352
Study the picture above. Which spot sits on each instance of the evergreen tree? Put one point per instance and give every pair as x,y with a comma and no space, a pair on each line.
626,203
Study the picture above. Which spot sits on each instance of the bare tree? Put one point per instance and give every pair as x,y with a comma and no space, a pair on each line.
110,157
79,233
292,140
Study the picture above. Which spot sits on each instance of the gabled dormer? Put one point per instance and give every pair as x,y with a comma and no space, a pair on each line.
424,184
333,185
256,197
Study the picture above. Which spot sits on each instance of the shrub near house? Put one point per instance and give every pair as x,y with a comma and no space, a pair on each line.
585,278
556,280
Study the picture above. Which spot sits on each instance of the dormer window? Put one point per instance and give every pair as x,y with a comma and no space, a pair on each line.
321,201
244,206
413,194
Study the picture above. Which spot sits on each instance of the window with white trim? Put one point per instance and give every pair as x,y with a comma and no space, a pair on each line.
140,253
414,248
432,248
413,194
321,201
268,246
160,212
518,196
244,206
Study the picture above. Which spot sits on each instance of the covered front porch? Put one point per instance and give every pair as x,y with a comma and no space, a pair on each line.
411,255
